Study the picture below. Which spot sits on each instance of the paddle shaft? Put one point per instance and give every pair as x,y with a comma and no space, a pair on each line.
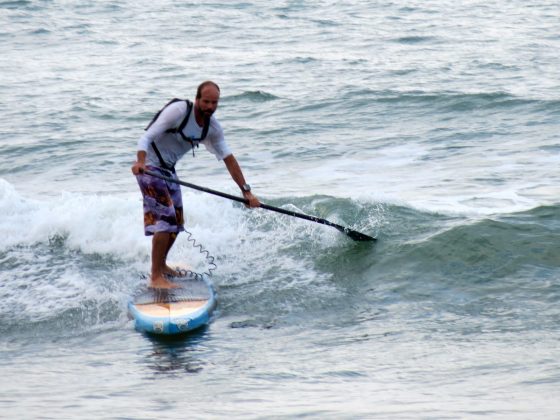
357,236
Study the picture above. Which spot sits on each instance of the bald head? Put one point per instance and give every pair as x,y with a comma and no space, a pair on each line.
204,86
207,97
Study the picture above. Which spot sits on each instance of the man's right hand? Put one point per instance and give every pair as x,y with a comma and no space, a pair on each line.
140,164
138,168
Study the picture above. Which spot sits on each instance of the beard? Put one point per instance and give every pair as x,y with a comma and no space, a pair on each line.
205,113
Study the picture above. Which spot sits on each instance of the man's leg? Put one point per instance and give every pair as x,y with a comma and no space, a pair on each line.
167,269
161,244
163,218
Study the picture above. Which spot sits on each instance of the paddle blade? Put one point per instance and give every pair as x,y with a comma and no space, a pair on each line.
358,236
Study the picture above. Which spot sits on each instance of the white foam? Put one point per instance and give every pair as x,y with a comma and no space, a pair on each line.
89,223
480,182
113,225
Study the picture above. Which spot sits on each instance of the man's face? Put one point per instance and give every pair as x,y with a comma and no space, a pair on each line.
208,101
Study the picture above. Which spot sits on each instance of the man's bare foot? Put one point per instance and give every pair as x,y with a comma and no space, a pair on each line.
162,283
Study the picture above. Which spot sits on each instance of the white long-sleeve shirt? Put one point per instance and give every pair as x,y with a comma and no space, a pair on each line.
171,145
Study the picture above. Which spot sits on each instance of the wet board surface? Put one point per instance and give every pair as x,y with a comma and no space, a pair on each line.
174,311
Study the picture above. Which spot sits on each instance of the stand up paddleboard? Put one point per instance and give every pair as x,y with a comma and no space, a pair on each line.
174,311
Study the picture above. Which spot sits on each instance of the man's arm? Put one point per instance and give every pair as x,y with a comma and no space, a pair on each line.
237,175
140,163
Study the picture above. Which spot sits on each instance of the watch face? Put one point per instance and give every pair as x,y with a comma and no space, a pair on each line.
246,187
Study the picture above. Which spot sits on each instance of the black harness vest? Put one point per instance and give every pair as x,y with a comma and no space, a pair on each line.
179,130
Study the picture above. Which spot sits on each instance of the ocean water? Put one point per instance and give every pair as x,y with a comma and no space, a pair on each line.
433,126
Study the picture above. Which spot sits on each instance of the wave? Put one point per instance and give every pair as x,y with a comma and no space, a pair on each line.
252,96
415,39
422,261
452,101
276,273
16,4
465,251
111,224
89,223
72,259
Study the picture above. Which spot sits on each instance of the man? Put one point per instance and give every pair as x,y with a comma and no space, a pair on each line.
159,149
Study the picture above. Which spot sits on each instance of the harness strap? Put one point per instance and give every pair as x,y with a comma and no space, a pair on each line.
185,120
161,161
181,127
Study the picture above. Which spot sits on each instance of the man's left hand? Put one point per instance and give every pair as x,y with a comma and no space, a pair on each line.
253,201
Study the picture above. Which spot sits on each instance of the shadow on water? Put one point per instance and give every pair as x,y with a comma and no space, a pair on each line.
176,354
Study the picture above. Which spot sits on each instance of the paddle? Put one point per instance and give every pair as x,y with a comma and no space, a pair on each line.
357,236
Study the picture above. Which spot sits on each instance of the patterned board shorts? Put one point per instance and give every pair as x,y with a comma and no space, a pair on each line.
163,204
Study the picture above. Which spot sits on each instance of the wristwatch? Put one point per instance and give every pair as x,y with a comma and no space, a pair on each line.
246,188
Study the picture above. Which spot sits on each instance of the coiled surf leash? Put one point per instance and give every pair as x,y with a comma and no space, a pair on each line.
209,258
355,235
193,275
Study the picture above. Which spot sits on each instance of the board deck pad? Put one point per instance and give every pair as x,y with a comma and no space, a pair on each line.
189,290
175,310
